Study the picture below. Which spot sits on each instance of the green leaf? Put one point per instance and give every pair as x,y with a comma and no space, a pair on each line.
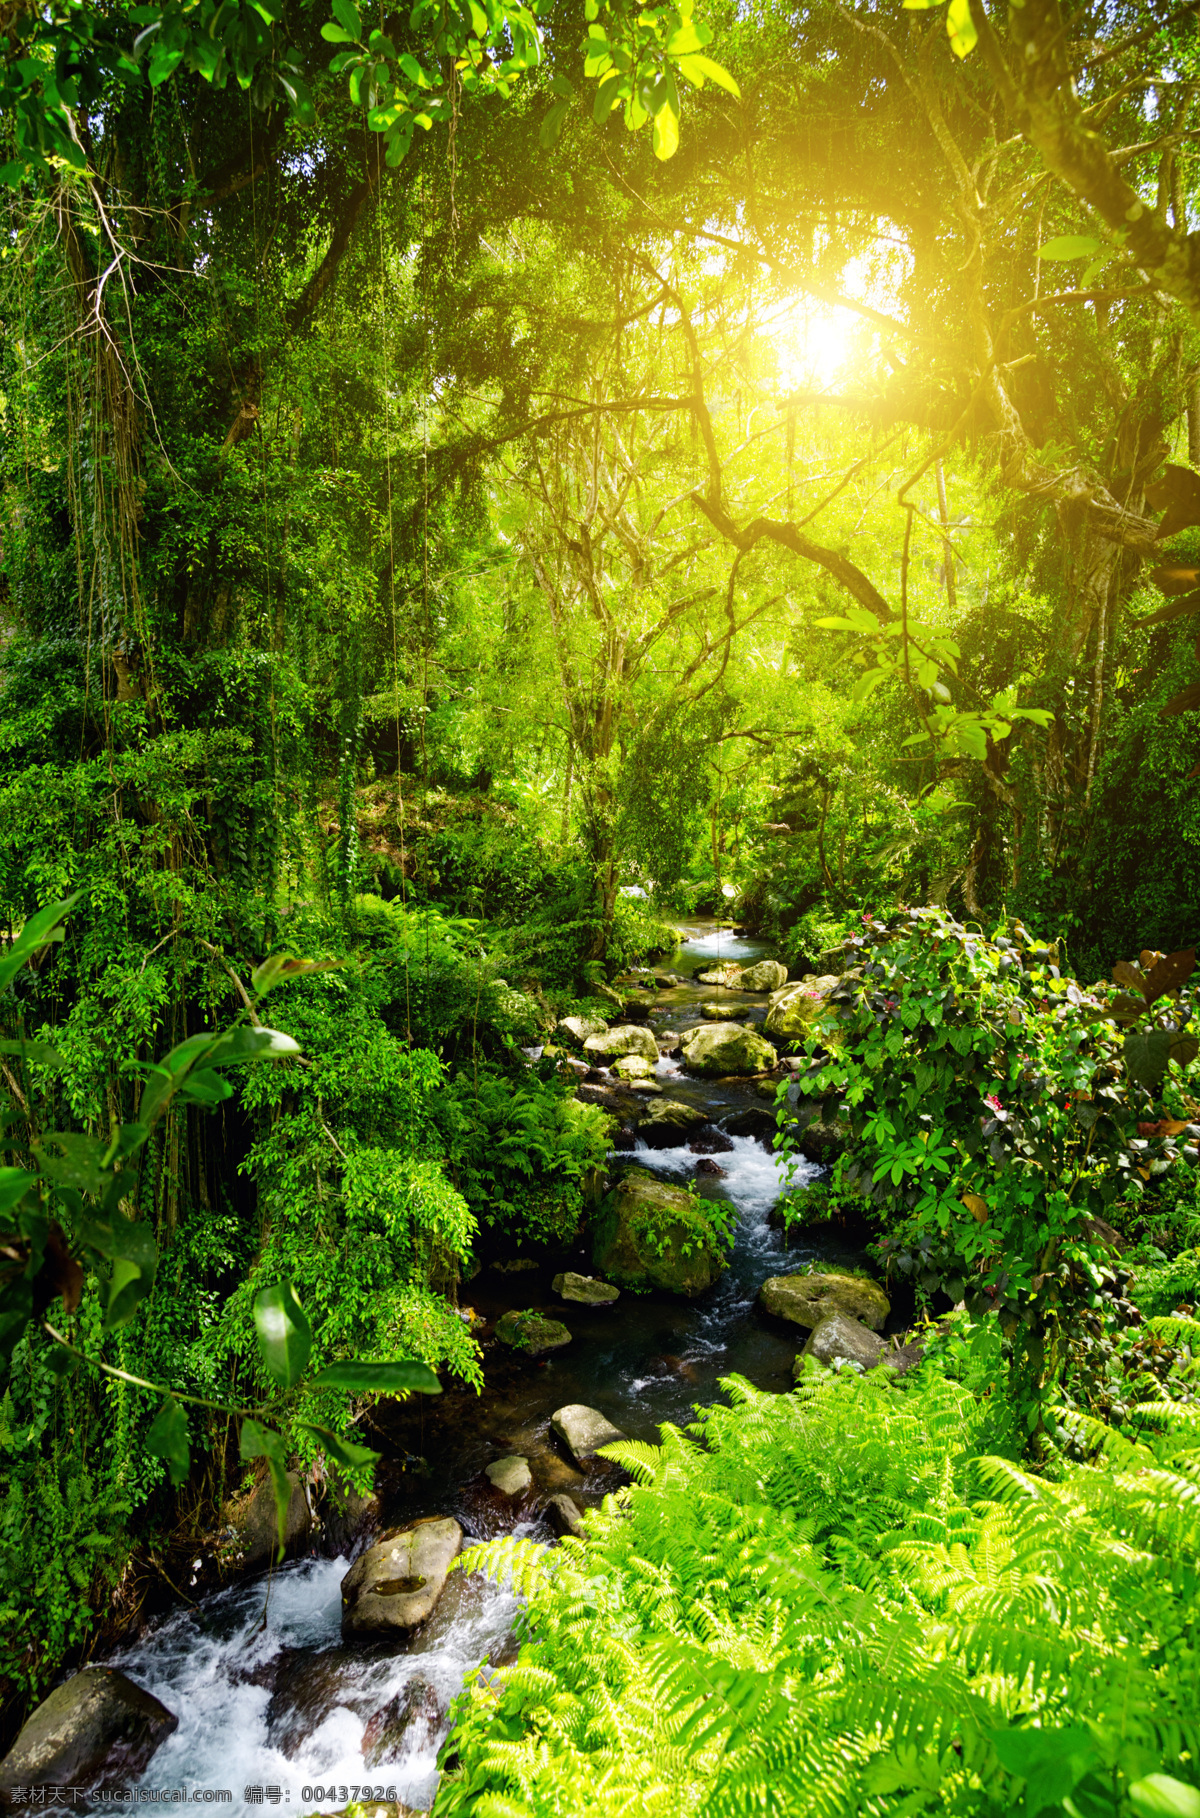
14,1185
284,1334
699,68
1070,246
262,1442
1161,1796
1051,1762
340,1450
608,96
1147,1056
551,127
168,1440
397,1378
336,34
244,1044
134,1255
42,1054
348,17
38,932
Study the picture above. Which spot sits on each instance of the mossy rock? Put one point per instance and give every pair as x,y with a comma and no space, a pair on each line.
721,1049
633,1066
719,1010
793,1010
527,1330
808,1299
650,1234
626,1038
767,975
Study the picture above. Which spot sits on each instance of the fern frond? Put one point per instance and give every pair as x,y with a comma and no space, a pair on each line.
635,1456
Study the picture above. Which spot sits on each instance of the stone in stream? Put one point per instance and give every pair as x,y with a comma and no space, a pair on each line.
792,1011
255,1523
720,975
511,1476
584,1288
670,1123
706,1165
648,1088
840,1339
724,1049
575,1030
720,1010
99,1726
395,1583
755,1122
766,975
626,1038
633,1067
808,1299
563,1514
525,1329
647,1234
638,1006
711,1142
412,1718
583,1431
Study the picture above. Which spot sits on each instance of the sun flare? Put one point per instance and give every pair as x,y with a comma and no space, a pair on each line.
813,344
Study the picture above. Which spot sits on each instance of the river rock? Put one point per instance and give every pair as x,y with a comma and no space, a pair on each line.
525,1329
575,1030
820,1139
841,1339
395,1583
722,1049
670,1124
808,1299
583,1431
792,1010
646,1088
645,1236
255,1523
754,1122
584,1288
414,1715
719,1010
634,1067
720,975
638,1006
99,1726
626,1038
511,1476
563,1514
766,975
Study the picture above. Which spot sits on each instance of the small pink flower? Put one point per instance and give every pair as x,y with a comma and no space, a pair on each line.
993,1103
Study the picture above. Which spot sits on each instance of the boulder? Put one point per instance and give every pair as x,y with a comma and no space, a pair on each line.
255,1523
414,1716
719,1010
808,1299
722,1049
584,1288
511,1476
626,1038
638,1006
99,1726
755,1122
647,1235
823,1139
840,1340
634,1067
583,1431
766,975
395,1583
720,975
563,1514
646,1088
670,1124
527,1330
792,1010
575,1030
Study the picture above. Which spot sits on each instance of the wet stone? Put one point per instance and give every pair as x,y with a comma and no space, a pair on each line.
564,1515
411,1719
396,1583
98,1726
584,1288
511,1476
583,1430
530,1331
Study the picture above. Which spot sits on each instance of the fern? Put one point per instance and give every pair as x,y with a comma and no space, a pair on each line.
830,1603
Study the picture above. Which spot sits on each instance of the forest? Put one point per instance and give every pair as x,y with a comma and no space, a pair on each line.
599,904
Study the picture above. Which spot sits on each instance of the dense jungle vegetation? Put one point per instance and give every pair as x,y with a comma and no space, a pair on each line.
479,486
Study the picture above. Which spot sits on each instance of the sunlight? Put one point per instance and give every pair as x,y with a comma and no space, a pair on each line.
813,344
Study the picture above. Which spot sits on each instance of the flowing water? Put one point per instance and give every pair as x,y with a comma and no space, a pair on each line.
269,1699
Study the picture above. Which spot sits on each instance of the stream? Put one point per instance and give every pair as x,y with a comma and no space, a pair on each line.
267,1695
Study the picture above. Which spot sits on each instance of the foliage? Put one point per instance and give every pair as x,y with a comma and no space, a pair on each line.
995,1112
837,1602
